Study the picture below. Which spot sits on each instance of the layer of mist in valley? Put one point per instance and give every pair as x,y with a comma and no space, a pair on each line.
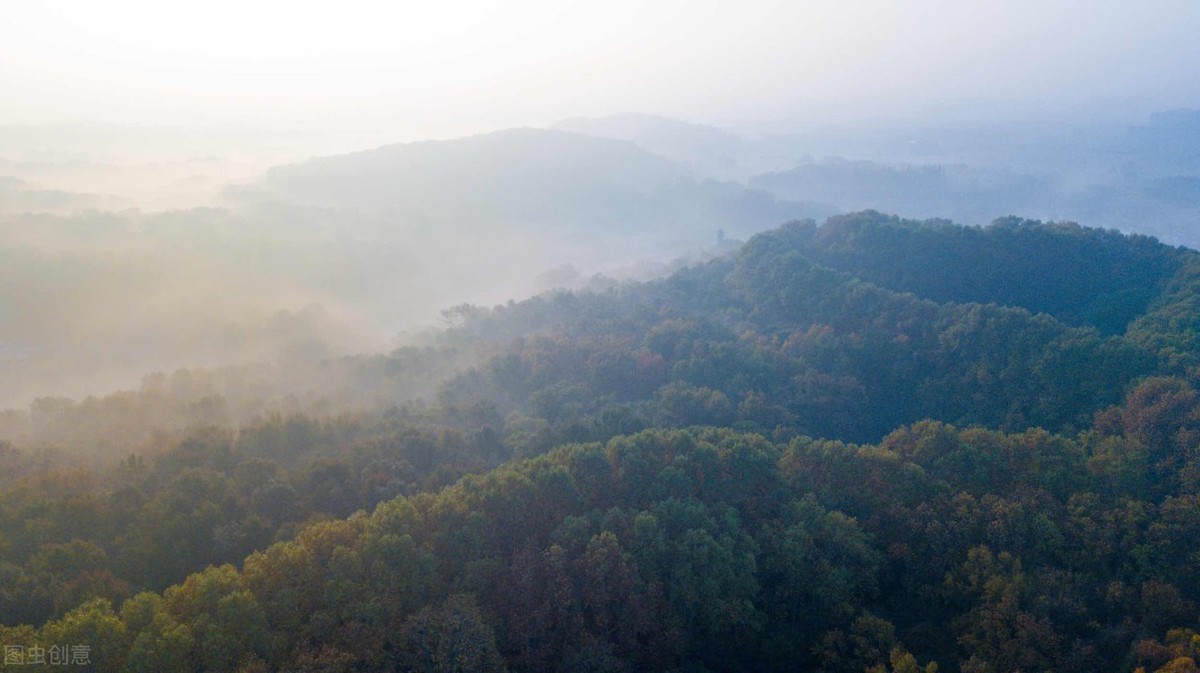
208,190
128,250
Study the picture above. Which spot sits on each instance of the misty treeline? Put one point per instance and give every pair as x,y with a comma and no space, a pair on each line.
355,252
94,300
339,255
911,453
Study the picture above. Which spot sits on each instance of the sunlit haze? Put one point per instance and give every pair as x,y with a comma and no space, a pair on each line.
442,69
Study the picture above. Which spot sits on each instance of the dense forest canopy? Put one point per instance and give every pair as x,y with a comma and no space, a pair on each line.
873,444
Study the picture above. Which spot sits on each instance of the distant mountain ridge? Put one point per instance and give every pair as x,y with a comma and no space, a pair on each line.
529,176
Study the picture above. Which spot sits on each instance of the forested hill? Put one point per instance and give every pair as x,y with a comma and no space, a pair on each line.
894,468
1080,276
713,550
854,327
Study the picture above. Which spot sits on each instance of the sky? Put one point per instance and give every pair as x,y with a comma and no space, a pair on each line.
437,69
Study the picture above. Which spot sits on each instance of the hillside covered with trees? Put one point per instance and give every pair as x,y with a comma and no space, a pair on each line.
869,445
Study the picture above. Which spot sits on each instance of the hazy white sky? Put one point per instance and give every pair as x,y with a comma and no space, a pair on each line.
441,68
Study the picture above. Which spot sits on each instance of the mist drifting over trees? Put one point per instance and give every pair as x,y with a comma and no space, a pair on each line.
683,337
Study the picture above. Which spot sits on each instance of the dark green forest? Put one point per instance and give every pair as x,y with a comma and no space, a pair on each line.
870,445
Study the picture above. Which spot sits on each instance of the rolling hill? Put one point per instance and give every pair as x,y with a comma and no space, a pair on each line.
528,180
631,479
